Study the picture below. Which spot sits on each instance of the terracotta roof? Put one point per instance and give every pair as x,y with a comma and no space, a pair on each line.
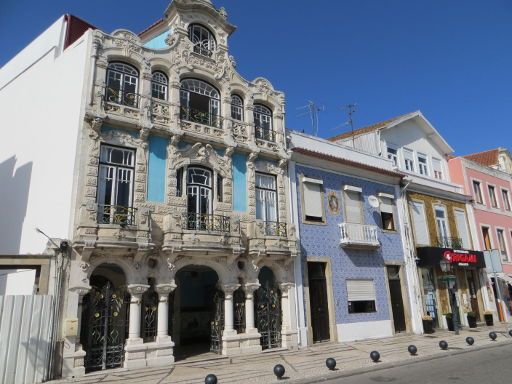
369,128
158,22
340,160
487,158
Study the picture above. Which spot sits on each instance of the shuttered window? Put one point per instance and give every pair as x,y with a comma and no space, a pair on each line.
361,295
386,211
438,168
462,228
313,199
419,222
353,206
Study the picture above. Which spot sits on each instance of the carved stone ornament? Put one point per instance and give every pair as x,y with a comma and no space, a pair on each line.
203,154
80,290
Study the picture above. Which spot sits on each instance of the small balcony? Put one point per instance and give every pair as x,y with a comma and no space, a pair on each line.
120,102
116,214
273,228
449,242
207,222
359,236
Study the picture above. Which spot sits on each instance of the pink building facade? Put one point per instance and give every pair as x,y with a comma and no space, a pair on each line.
491,190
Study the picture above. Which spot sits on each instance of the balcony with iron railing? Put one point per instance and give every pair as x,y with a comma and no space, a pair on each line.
116,214
274,228
449,242
359,235
207,222
202,122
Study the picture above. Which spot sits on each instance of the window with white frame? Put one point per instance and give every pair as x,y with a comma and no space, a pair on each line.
462,228
409,160
266,197
159,84
115,185
203,40
393,155
122,84
263,123
353,204
386,211
492,196
422,164
478,192
200,103
419,222
237,108
501,242
313,199
443,231
506,199
361,295
437,166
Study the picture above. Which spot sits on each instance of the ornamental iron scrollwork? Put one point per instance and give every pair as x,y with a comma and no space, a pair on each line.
202,117
149,315
217,322
274,228
118,96
239,307
105,329
116,214
268,314
207,222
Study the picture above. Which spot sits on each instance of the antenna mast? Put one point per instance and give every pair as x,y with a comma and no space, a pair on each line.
312,110
351,109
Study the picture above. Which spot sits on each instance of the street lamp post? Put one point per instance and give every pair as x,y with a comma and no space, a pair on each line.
450,282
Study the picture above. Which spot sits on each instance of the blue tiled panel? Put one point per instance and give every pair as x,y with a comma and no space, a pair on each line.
158,42
156,168
323,240
239,182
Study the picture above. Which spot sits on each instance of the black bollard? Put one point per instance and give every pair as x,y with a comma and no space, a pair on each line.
470,340
510,333
443,345
493,335
330,363
412,349
279,371
375,356
210,379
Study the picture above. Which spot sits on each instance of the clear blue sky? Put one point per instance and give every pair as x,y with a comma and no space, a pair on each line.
451,59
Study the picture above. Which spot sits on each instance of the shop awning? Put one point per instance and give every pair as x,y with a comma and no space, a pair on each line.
503,276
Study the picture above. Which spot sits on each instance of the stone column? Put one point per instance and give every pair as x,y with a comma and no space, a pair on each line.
249,306
228,307
163,291
288,331
136,291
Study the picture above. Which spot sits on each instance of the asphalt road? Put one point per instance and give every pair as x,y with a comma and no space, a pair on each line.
485,366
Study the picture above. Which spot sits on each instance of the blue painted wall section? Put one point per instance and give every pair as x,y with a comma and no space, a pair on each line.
323,240
239,182
156,169
158,42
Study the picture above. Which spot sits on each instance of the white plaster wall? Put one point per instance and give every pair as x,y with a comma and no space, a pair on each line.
364,330
40,93
17,281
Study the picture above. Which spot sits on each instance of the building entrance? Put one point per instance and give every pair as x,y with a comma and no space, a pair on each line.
198,312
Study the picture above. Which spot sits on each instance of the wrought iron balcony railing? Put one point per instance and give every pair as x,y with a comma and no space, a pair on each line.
273,228
202,117
203,48
265,134
117,96
359,235
116,214
449,242
207,222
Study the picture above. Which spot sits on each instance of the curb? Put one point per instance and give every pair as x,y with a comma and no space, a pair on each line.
396,364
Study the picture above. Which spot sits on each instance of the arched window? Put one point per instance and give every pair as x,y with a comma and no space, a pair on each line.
122,84
263,123
199,198
200,103
159,85
237,108
203,40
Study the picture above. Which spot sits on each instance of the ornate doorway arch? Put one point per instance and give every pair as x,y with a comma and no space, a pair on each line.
105,319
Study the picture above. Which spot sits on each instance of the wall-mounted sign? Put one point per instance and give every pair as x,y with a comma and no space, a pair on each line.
432,256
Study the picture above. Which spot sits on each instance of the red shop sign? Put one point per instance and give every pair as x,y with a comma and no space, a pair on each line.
459,257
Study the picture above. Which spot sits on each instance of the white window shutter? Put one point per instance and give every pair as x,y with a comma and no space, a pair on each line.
313,199
386,205
360,290
353,208
462,228
419,223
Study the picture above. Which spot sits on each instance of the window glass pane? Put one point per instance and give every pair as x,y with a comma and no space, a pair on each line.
506,201
409,159
393,156
478,192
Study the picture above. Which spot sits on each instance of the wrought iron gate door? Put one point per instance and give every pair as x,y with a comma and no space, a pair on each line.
268,315
217,322
105,327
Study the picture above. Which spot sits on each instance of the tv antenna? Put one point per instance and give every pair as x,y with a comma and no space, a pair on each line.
312,110
351,109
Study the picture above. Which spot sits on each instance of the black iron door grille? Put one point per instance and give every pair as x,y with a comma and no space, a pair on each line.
106,328
239,304
268,315
217,322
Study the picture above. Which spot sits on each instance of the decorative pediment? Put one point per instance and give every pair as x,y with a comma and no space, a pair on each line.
202,154
122,138
127,35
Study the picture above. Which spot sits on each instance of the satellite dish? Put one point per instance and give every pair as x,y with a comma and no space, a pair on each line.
373,201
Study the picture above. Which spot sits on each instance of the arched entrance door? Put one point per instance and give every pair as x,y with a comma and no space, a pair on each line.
267,303
198,315
105,319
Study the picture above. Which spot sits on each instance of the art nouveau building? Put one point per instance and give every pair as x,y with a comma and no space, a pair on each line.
182,242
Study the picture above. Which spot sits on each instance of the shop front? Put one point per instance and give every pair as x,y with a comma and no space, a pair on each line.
452,282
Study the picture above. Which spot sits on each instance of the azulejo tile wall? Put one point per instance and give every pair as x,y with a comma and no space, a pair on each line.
324,241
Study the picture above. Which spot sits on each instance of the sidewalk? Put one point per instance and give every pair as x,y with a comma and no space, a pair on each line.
307,364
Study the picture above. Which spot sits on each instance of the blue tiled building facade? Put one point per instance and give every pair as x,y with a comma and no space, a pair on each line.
322,240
